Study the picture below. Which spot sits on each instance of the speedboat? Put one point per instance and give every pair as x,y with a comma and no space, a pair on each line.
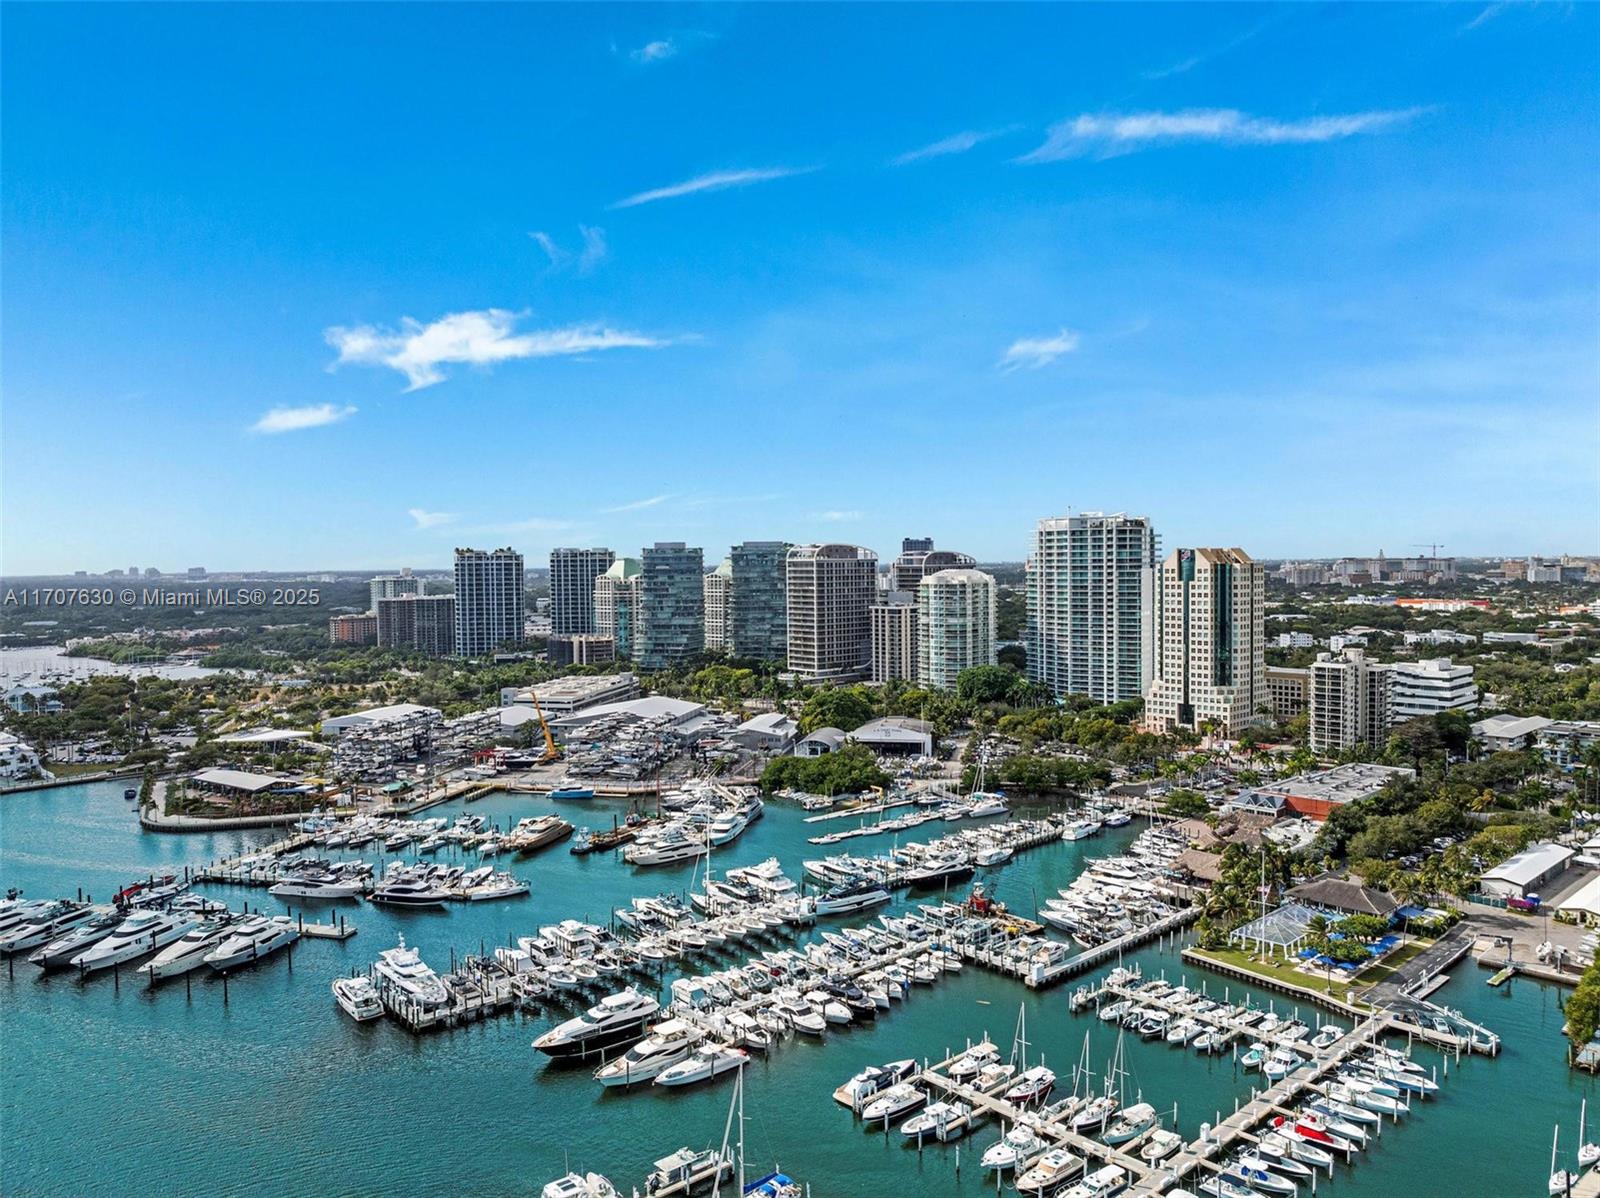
251,940
1131,1124
1016,1145
994,854
188,951
358,998
1051,1172
899,1099
1257,1178
871,1081
146,932
1161,1144
1033,1086
706,1062
667,1044
402,969
1102,1183
942,1120
800,1014
613,1020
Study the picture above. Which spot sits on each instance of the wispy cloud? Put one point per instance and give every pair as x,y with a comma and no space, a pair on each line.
1184,65
838,517
655,51
714,181
1486,14
1034,352
956,143
638,504
1120,133
291,420
593,251
426,519
419,350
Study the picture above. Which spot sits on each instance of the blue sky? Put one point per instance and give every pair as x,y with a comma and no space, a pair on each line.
334,286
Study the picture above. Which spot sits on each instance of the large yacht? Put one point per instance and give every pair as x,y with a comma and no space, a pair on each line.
55,920
675,843
134,937
318,887
613,1020
251,940
187,952
56,953
853,896
358,998
404,970
667,1044
410,893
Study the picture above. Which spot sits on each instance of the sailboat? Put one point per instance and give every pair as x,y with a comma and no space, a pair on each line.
1588,1154
1031,1085
775,1184
1561,1182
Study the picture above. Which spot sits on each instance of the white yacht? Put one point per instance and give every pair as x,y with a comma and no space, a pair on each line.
970,1063
707,1062
800,1014
404,970
674,844
410,893
188,951
1050,1172
579,1185
613,1020
1018,1144
358,998
899,1099
54,921
872,1081
726,827
251,940
1080,829
994,854
318,888
137,935
667,1044
853,896
55,954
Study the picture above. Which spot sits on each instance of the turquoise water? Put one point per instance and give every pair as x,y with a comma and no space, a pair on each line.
112,1091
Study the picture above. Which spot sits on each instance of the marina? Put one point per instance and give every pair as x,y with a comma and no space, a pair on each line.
486,1049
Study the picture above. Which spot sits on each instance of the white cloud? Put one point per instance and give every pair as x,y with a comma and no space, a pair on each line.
483,338
547,243
1487,14
714,181
1034,352
427,519
290,420
655,51
593,253
838,517
1118,133
638,504
956,143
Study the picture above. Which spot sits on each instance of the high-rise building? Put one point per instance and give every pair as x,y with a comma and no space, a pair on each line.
1089,583
1425,688
758,606
918,558
955,625
1208,613
616,604
1349,701
718,587
489,600
392,586
894,636
359,629
830,588
572,575
672,627
1288,691
418,624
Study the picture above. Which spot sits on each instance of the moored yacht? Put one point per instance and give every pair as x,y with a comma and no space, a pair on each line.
55,954
667,1044
706,1062
852,896
318,887
251,940
358,998
613,1020
402,969
1051,1172
146,932
188,951
409,892
47,925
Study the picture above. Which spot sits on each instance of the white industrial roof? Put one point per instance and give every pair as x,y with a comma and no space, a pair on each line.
1585,899
263,736
237,780
1529,865
774,723
1511,725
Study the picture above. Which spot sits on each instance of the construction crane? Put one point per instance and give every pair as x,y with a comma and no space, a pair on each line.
1433,549
551,753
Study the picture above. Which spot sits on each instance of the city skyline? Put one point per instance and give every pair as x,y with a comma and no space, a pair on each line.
1295,279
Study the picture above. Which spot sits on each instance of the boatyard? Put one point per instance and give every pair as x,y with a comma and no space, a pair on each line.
758,983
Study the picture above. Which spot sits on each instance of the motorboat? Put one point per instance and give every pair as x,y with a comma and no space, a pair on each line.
941,1120
408,892
1018,1144
55,954
403,970
613,1020
1280,1063
1223,1187
1051,1172
1276,1146
1161,1144
1033,1086
188,951
568,792
1288,1168
358,998
1263,1180
46,925
936,872
1310,1129
1132,1123
251,940
853,896
1080,829
668,1043
801,1015
994,854
899,1099
145,932
1102,1183
705,1063
688,1168
871,1081
579,1185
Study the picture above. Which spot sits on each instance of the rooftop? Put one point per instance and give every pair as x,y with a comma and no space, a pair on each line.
1341,784
237,780
1341,894
1528,866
